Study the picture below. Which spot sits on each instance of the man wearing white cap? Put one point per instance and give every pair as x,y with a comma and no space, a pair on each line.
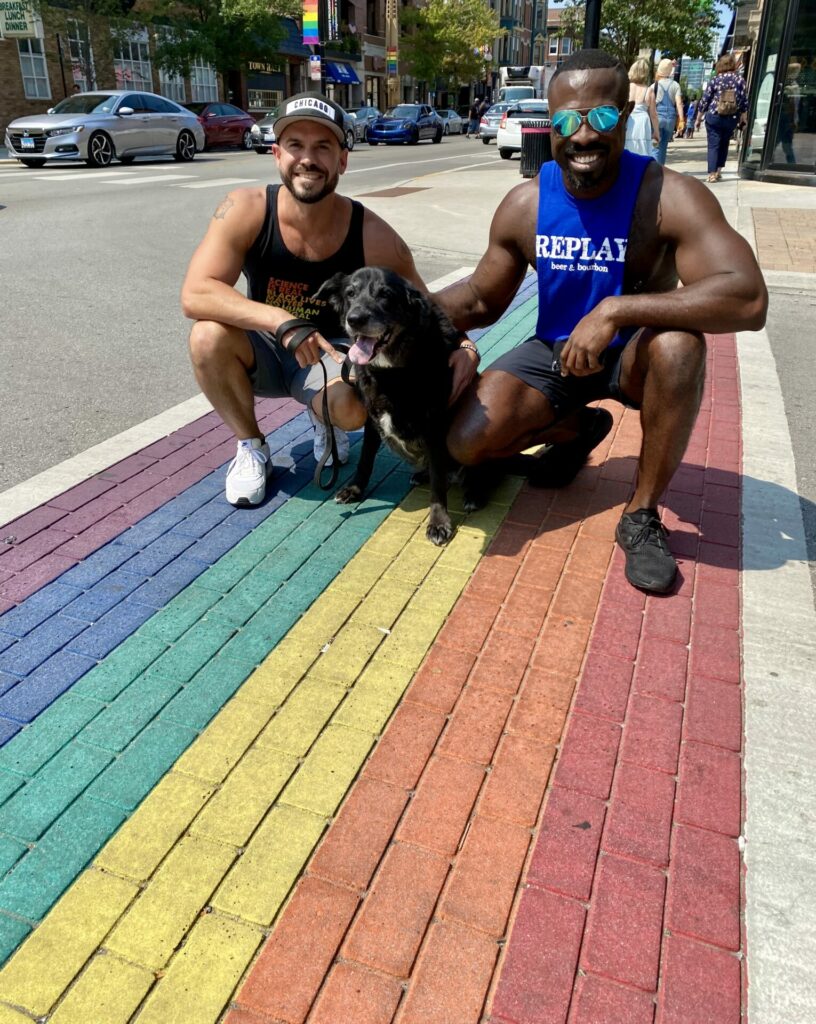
286,241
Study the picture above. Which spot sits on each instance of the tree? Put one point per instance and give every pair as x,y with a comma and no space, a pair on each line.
679,28
225,33
448,40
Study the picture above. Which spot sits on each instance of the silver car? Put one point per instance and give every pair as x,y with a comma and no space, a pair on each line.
263,133
489,124
109,123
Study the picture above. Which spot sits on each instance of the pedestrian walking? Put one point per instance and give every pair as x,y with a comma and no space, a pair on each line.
473,119
669,104
724,104
642,130
691,113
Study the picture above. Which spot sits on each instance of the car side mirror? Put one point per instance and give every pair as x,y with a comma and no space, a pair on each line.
125,111
50,110
210,114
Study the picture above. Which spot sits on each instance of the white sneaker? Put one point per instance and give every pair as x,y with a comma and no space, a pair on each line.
321,440
247,473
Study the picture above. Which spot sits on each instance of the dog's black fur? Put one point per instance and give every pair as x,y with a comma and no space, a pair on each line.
401,351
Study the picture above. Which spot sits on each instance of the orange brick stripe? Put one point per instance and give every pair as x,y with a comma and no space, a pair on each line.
631,908
442,891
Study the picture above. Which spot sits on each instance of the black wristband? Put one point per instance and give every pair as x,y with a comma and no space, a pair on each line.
302,329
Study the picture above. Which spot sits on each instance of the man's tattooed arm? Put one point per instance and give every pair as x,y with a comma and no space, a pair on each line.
223,207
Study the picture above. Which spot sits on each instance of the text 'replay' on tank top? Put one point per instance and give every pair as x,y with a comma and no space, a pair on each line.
279,278
581,247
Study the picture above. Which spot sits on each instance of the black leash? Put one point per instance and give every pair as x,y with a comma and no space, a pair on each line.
302,329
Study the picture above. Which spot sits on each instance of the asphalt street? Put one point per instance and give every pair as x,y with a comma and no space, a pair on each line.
92,261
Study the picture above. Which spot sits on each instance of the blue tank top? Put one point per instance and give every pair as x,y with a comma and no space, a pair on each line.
581,247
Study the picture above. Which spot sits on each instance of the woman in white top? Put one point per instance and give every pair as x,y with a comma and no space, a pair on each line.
642,132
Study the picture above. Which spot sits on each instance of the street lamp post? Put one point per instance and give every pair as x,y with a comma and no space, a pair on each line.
592,24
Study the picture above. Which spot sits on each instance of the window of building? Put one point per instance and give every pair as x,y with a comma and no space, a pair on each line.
131,61
172,86
203,83
264,99
565,46
34,69
553,45
81,54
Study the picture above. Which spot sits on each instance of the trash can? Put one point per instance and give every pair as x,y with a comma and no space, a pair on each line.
536,145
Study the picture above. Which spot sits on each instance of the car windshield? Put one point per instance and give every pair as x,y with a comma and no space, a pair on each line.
86,103
269,119
197,108
406,112
364,112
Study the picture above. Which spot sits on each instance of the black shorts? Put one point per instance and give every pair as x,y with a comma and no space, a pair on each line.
277,374
535,363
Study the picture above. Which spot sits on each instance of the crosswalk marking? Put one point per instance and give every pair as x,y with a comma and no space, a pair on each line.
220,182
73,176
141,180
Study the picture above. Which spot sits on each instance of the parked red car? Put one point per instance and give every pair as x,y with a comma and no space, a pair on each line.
224,124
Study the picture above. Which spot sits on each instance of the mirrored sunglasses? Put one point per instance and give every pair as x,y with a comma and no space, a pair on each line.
602,119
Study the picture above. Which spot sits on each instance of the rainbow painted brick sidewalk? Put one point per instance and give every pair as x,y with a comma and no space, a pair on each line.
297,764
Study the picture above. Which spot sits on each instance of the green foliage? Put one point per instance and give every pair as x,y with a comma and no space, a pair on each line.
225,33
681,27
446,39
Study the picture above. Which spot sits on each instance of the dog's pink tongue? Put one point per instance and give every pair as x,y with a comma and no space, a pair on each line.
362,350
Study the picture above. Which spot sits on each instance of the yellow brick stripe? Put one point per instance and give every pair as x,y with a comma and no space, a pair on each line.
170,915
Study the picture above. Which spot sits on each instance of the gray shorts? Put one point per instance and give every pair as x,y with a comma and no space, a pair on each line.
276,373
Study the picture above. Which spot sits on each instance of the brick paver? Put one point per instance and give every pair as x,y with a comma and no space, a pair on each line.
309,757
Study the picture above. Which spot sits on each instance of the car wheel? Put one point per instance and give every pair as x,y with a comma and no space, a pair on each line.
246,140
372,142
505,154
261,150
100,150
365,133
486,142
33,163
350,140
413,138
185,147
447,130
438,136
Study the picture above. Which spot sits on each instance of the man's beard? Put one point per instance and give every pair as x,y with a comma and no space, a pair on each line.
585,182
307,191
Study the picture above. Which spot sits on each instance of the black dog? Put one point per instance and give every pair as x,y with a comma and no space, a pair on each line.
401,349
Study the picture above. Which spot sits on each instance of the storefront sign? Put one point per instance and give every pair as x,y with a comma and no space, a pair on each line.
314,69
17,20
311,33
264,69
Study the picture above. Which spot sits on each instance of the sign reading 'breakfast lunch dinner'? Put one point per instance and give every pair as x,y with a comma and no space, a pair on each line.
17,20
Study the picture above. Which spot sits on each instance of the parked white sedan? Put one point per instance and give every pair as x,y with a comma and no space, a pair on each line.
508,136
104,125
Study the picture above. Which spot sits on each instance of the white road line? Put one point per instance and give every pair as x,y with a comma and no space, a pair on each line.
79,176
432,160
219,182
143,181
25,496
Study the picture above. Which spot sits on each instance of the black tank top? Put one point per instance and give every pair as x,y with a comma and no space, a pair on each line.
279,278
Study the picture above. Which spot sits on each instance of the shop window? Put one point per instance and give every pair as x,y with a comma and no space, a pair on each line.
131,61
81,53
203,83
264,99
34,69
172,86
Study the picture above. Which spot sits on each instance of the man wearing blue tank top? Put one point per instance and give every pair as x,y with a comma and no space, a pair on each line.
287,240
611,235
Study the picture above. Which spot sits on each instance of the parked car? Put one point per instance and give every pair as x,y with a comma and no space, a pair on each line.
452,122
508,137
364,118
223,124
407,122
489,124
263,131
99,126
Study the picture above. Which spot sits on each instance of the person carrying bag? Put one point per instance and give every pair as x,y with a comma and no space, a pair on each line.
724,104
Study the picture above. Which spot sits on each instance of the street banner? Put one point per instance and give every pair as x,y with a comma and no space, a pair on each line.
311,34
392,62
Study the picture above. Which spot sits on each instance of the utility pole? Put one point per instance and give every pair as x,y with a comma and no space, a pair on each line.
392,52
592,25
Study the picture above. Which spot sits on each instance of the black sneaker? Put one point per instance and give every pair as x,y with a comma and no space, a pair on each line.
649,563
561,463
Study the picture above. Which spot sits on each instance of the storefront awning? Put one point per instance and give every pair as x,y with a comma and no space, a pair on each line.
342,74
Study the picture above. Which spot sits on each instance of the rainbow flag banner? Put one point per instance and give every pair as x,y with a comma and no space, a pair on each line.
392,62
311,35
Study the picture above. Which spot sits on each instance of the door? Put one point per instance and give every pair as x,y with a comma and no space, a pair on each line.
164,121
134,131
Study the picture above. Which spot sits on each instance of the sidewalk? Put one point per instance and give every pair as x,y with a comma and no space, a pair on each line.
297,764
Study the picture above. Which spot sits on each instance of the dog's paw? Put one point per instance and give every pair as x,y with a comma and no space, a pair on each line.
348,495
440,532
